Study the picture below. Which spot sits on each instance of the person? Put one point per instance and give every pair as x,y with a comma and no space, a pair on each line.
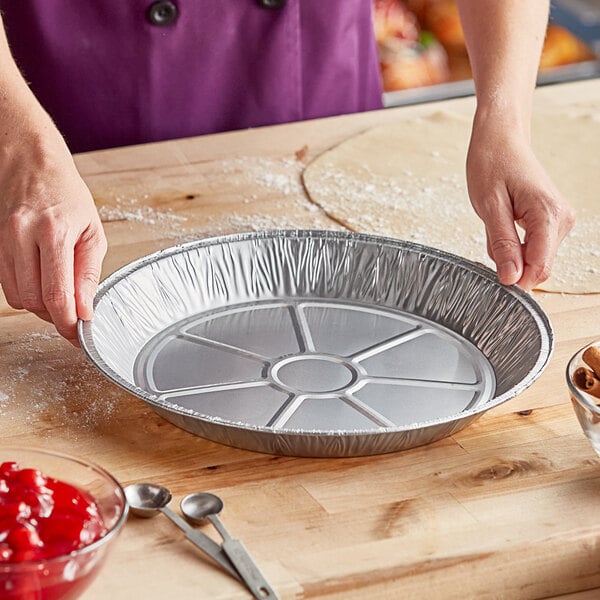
506,182
79,76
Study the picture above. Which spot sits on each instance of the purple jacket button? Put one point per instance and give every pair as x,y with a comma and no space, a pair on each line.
272,3
162,13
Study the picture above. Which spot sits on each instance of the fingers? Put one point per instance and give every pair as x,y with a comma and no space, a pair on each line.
539,251
51,239
544,235
70,275
57,286
20,276
546,221
503,242
89,253
505,250
517,191
57,282
526,264
8,281
50,266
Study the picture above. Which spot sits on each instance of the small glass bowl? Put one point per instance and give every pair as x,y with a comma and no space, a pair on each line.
64,577
586,405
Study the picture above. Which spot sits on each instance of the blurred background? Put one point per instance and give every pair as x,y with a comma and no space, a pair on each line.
423,56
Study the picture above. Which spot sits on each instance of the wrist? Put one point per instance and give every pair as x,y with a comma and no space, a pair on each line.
32,142
26,129
510,118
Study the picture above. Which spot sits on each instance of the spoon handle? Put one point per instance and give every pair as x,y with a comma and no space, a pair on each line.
243,562
202,541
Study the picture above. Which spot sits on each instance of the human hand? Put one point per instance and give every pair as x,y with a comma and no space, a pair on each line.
51,239
508,186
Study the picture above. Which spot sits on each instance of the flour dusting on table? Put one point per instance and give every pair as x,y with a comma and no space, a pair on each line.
54,382
245,193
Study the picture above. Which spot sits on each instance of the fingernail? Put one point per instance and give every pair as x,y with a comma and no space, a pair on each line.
87,311
507,271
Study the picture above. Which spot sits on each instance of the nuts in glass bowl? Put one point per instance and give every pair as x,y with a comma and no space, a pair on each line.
583,381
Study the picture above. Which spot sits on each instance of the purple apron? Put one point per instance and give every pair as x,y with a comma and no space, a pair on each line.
119,72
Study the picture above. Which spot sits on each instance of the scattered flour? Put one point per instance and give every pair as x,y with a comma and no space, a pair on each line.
419,212
129,209
278,181
44,379
278,175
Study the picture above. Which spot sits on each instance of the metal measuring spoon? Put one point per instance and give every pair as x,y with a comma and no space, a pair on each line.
148,499
202,505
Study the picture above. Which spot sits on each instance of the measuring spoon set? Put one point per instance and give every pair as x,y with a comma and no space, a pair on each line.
148,499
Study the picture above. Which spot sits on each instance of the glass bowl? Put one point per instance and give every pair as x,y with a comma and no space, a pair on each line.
64,577
586,404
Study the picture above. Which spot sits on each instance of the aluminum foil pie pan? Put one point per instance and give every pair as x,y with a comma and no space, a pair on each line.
316,343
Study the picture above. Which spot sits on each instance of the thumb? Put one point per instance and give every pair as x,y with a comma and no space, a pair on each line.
506,251
88,265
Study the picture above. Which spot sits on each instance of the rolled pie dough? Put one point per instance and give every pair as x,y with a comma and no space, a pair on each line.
407,180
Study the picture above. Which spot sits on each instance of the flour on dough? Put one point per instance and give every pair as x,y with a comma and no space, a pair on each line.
407,180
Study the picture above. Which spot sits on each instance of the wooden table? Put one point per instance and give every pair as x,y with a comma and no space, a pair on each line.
507,508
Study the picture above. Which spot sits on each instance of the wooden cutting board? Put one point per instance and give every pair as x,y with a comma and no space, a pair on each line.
507,508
